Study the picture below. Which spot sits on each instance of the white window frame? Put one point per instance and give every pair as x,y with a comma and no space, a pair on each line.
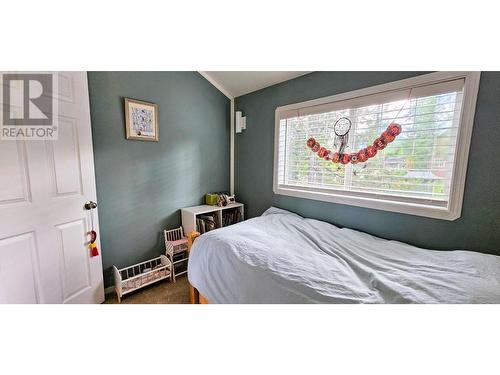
454,208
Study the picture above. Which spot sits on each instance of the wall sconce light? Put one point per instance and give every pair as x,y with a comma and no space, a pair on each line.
241,122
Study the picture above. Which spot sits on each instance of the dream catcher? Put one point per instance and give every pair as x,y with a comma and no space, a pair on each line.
341,128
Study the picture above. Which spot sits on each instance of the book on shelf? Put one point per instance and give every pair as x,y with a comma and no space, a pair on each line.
206,223
230,217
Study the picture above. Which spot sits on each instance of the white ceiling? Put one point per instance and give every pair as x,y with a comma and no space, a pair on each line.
234,84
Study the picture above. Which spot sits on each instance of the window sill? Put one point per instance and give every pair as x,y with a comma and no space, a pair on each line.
349,198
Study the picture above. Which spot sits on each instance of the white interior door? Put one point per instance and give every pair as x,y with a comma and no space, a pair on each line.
44,252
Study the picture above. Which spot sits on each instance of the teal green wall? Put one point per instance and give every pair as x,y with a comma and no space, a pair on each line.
479,227
142,185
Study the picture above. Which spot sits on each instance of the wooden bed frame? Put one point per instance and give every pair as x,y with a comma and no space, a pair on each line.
195,297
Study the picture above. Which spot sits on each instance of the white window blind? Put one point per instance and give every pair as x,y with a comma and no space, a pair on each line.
417,168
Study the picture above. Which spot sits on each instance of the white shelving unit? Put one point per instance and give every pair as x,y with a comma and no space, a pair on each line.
189,214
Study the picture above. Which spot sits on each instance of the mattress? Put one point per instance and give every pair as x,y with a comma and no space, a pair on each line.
281,257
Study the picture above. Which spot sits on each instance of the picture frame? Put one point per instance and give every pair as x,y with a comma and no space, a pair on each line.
141,120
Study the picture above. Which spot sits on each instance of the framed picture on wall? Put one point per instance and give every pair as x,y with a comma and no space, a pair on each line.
141,120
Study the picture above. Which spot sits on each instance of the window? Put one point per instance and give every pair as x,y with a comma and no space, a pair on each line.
421,173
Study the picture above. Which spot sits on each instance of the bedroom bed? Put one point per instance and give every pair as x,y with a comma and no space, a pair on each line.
281,257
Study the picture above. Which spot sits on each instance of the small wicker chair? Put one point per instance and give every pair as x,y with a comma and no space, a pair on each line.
175,244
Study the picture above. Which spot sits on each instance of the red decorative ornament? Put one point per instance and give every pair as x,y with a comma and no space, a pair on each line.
93,246
345,159
388,136
379,143
322,152
371,151
394,129
94,251
362,156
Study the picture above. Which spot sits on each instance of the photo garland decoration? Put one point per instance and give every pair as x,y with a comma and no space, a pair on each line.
342,127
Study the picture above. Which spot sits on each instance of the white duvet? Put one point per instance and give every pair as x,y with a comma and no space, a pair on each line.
281,257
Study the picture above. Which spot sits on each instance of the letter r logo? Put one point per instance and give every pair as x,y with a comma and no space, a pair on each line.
32,95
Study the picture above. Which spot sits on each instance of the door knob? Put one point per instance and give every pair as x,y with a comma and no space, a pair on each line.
90,205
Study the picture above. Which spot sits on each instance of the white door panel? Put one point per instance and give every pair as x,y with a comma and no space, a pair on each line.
44,252
19,270
75,267
13,164
64,159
